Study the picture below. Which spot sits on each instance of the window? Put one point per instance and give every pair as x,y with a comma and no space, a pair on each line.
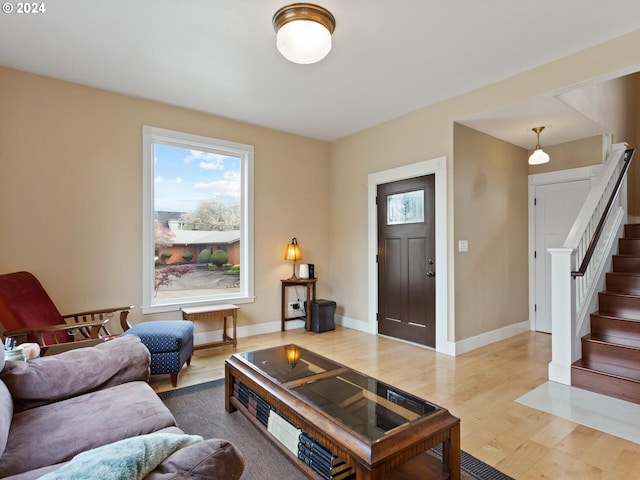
197,220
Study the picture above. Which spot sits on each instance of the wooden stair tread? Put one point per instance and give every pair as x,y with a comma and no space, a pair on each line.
610,362
619,304
625,263
625,342
608,369
632,230
626,282
625,274
598,313
620,316
619,294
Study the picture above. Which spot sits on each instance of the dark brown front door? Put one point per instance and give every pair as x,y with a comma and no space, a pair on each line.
406,260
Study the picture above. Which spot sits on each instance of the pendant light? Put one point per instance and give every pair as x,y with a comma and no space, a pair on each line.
538,156
303,32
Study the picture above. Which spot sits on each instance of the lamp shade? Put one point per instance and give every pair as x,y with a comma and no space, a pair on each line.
293,251
303,32
303,41
538,157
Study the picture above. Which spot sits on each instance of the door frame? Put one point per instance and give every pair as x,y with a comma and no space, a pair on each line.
535,181
445,327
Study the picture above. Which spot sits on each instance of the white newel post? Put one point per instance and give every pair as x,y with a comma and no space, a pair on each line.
563,315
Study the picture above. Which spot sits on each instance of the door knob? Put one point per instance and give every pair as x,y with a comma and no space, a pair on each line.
430,273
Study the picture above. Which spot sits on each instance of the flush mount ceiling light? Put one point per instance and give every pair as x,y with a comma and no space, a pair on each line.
303,32
538,156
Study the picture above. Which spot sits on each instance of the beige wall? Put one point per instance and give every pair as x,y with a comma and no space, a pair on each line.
608,104
579,153
490,198
612,104
491,179
428,133
401,142
71,193
70,185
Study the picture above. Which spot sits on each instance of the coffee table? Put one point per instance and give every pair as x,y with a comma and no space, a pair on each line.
378,430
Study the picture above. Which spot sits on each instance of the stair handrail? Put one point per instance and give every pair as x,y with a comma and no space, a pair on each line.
626,161
573,297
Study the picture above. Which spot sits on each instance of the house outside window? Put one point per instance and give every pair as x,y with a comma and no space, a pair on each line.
197,221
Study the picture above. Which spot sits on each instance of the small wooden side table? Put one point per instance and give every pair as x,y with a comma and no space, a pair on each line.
310,285
214,311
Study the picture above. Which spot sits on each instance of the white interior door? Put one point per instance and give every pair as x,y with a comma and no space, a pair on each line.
557,206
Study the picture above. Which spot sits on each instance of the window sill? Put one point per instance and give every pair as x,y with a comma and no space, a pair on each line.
176,306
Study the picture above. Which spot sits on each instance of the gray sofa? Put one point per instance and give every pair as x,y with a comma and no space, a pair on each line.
53,408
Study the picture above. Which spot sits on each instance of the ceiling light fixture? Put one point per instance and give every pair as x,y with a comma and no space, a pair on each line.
538,156
303,32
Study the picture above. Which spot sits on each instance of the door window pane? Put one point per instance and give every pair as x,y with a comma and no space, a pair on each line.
407,207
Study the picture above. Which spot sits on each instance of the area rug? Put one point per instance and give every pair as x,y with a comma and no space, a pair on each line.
199,410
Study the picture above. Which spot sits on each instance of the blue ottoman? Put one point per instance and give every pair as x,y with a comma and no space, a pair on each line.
170,343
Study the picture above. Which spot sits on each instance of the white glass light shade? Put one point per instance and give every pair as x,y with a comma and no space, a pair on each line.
303,41
538,157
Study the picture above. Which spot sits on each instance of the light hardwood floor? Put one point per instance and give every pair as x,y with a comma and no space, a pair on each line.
479,387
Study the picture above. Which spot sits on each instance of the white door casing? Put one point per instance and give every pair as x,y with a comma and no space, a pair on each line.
444,318
555,198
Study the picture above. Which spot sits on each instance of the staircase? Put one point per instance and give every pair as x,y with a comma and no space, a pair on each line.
610,362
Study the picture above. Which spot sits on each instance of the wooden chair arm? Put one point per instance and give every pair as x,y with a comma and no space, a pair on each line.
87,330
83,317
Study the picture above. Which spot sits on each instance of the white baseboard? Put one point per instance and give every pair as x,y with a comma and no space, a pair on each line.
452,348
354,324
468,344
460,347
272,327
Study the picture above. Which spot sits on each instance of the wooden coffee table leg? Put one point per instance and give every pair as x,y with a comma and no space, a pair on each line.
228,390
451,453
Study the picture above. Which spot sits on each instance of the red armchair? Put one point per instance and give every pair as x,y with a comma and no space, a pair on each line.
28,314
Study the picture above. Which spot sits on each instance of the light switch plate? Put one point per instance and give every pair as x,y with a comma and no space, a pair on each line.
463,245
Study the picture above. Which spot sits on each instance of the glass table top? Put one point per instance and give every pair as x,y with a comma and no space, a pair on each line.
289,362
365,405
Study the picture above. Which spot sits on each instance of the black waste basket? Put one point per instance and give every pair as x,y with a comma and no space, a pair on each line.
322,312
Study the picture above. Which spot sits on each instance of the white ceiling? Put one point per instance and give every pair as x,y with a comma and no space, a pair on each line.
388,58
514,122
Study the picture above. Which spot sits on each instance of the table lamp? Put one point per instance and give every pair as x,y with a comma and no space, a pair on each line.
293,253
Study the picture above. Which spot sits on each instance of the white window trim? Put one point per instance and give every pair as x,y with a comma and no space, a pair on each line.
152,135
